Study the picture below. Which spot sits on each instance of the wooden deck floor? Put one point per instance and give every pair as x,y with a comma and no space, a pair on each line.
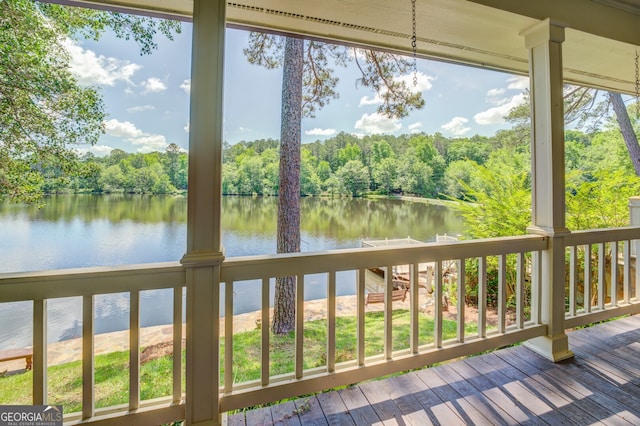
601,385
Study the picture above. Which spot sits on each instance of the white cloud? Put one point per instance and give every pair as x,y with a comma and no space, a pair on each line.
321,132
456,126
518,83
366,100
122,129
497,114
186,127
146,142
492,93
90,68
377,123
141,108
415,127
153,85
150,143
497,96
423,83
186,86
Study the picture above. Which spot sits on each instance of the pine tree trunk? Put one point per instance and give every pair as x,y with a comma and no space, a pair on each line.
288,238
630,138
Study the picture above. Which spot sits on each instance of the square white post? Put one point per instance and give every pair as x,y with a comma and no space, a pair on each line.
544,41
205,253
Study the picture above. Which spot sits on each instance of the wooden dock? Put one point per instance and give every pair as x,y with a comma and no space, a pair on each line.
601,385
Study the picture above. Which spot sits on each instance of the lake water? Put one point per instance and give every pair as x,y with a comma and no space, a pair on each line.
87,230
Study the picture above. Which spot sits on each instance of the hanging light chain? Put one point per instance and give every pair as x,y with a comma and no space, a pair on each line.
414,46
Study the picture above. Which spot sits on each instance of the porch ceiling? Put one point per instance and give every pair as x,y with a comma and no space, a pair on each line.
599,51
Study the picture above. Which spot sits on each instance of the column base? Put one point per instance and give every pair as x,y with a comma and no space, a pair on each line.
553,348
223,421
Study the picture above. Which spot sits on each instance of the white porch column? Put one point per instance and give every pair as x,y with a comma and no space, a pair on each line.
544,41
204,246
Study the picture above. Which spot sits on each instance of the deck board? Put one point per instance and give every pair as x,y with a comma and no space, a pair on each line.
310,412
285,413
259,417
361,412
334,409
384,406
601,385
578,410
448,393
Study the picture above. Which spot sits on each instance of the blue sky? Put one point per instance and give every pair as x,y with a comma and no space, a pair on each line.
147,97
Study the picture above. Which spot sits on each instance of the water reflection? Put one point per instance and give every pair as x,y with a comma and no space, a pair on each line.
86,230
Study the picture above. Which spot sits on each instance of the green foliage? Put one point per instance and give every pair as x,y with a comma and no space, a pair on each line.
349,153
501,201
354,177
121,172
43,108
458,176
385,175
602,202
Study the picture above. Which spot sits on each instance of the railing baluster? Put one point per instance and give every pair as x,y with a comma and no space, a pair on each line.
437,305
626,254
177,344
601,274
388,312
87,357
331,322
614,274
573,280
461,300
39,364
228,336
587,278
264,328
134,350
414,293
482,297
535,287
299,326
520,289
360,315
502,292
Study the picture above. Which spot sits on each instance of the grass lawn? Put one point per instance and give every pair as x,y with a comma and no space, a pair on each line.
112,370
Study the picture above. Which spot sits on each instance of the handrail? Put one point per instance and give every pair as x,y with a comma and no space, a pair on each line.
41,285
256,267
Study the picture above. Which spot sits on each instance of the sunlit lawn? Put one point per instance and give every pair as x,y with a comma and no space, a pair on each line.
112,370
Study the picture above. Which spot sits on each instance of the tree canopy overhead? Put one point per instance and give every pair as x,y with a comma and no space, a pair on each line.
43,108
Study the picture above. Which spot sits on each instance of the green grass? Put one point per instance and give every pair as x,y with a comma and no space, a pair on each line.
112,370
111,378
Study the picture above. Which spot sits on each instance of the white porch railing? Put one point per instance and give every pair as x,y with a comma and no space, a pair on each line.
596,290
511,264
88,283
299,381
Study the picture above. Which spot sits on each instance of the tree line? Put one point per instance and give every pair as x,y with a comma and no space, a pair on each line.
430,166
344,165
